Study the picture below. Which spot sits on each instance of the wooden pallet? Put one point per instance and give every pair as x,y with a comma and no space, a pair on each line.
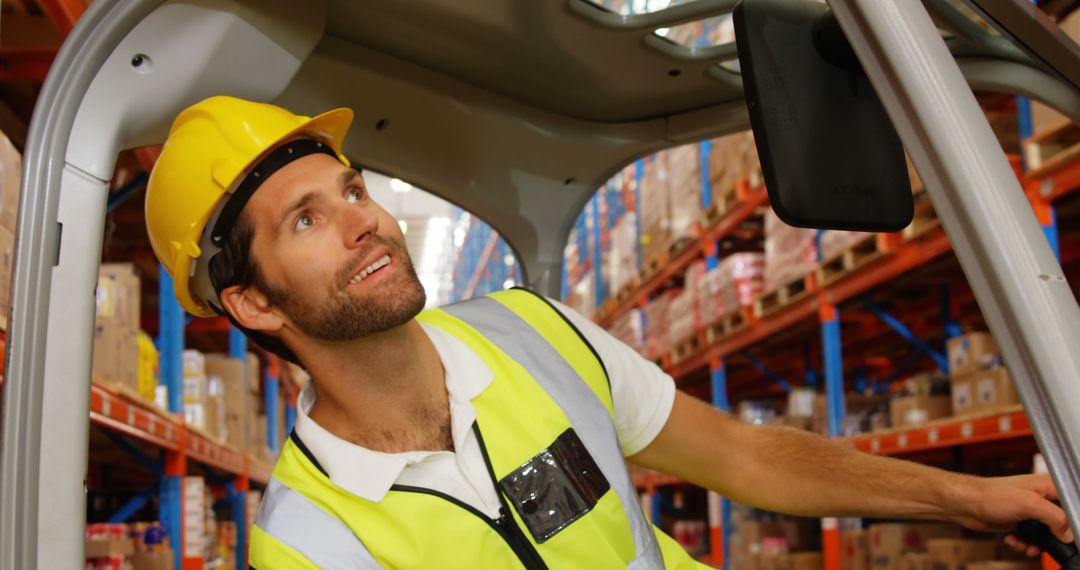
627,291
686,348
1050,151
678,246
721,206
782,296
728,324
651,267
858,255
924,221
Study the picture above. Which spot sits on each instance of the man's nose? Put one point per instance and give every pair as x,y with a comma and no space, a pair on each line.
359,225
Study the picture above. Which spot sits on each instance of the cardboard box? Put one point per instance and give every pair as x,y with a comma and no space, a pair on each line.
800,561
126,308
916,561
194,516
10,182
983,391
971,352
956,554
916,410
890,541
104,548
116,355
254,373
752,533
994,389
161,560
7,263
854,550
1029,564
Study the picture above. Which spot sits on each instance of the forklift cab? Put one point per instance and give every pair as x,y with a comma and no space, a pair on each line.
516,111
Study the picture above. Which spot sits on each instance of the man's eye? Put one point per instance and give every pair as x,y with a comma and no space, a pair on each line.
354,195
303,222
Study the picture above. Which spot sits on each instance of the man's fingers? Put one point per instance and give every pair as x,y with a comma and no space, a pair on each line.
1033,551
1014,543
1054,518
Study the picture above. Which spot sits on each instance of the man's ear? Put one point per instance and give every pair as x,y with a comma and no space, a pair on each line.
251,308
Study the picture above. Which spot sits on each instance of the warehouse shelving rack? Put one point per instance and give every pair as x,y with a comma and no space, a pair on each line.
901,255
127,420
909,61
480,266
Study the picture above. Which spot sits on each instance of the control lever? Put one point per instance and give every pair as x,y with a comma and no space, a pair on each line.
1038,534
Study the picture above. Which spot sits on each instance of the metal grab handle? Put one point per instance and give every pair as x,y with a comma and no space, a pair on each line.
1038,534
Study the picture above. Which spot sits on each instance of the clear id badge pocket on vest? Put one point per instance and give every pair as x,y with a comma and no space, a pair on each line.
556,487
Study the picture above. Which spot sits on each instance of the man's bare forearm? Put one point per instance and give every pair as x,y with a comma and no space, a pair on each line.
790,471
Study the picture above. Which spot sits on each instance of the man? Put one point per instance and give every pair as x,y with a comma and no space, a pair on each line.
490,433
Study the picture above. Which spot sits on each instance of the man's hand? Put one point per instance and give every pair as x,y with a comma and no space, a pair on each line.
997,504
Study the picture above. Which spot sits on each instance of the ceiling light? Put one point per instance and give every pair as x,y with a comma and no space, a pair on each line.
399,186
403,225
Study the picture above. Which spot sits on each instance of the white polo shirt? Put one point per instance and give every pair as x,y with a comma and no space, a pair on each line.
642,395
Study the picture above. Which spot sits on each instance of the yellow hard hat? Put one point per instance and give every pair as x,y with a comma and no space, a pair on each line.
217,153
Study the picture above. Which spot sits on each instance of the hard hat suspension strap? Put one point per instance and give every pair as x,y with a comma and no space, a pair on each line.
276,160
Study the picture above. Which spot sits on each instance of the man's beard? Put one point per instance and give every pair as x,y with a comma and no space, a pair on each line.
341,317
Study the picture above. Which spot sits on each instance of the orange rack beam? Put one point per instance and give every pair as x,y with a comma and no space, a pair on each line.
1006,424
120,413
755,198
906,257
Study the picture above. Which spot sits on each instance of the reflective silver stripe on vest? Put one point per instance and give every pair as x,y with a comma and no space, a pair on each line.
319,536
591,420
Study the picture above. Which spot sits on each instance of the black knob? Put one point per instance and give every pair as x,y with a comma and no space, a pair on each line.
1038,534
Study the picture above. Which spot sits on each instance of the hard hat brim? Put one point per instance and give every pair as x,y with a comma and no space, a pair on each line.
330,127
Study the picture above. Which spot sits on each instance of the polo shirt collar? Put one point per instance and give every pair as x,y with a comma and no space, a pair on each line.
369,474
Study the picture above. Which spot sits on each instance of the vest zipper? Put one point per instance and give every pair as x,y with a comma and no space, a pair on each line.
505,525
511,532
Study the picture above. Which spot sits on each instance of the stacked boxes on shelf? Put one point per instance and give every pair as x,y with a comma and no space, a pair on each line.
766,541
257,443
120,357
924,546
863,413
925,398
656,325
681,318
134,546
890,542
629,327
736,282
834,242
800,409
205,537
980,382
582,297
731,158
684,186
196,495
790,253
655,210
195,390
579,244
621,257
237,405
10,182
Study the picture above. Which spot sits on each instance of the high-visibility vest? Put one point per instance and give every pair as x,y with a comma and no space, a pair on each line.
545,428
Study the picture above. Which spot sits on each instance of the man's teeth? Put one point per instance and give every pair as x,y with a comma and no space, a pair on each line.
379,264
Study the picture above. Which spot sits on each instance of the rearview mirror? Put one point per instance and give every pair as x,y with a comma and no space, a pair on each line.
829,153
